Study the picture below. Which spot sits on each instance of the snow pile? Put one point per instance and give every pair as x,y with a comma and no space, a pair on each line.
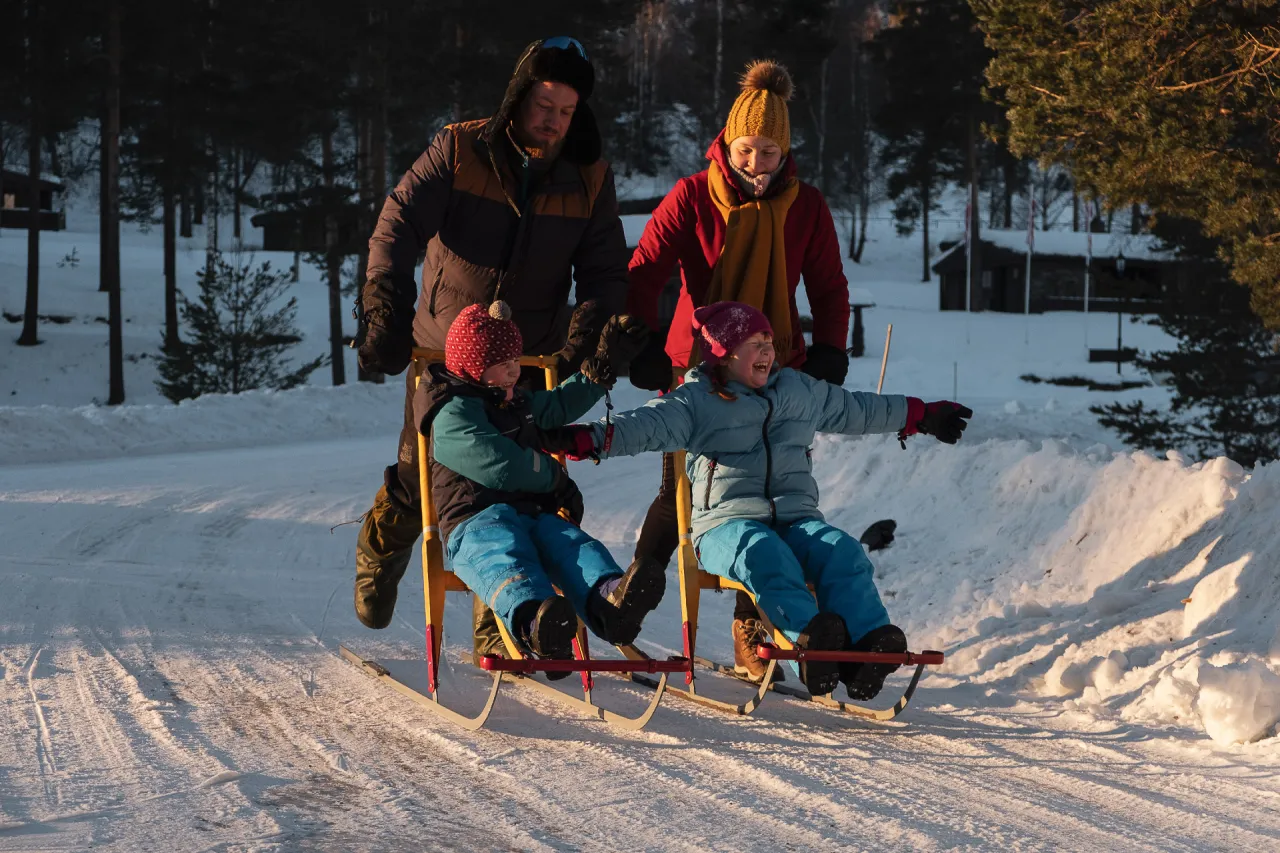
1117,584
55,433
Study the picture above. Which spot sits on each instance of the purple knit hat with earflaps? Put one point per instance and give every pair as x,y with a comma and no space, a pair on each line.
723,326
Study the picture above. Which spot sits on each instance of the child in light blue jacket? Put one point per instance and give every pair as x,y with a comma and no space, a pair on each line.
748,428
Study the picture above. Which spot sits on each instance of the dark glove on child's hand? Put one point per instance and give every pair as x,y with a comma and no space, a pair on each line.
879,535
623,338
944,420
651,370
825,362
576,441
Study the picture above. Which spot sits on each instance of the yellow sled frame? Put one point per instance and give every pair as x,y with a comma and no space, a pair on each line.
437,580
693,580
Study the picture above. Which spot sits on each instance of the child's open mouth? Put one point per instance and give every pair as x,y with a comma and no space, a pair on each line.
762,366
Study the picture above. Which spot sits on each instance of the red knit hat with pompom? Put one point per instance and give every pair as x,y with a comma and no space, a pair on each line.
723,326
479,338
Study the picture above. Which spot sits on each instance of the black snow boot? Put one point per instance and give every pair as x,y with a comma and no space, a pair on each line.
865,680
825,632
548,630
616,616
383,552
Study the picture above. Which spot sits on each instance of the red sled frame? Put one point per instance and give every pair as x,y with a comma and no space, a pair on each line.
516,666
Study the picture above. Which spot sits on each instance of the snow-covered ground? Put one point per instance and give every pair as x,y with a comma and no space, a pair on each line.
173,592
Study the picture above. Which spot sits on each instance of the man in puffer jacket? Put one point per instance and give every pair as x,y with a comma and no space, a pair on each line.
748,430
520,207
499,496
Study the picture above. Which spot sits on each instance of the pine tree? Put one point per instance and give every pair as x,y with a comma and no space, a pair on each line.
1168,104
237,335
1224,373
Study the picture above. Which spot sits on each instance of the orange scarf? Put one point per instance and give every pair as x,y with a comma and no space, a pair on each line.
752,267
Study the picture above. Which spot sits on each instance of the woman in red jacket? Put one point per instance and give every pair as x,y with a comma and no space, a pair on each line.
744,230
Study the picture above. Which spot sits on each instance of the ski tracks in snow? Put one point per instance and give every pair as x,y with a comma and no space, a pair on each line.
170,682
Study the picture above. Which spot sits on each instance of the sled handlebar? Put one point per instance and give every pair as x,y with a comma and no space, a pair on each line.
494,663
768,651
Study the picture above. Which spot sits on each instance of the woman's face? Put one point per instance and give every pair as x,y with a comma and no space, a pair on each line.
755,155
503,375
752,361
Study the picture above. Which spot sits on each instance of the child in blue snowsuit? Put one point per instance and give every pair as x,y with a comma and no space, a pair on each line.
498,495
748,428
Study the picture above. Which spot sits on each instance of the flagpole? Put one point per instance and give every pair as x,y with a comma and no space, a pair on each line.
968,262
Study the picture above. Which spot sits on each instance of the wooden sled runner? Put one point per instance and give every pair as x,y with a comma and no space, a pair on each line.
693,580
516,666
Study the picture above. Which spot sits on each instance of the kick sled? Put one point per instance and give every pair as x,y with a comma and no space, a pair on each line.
516,667
693,580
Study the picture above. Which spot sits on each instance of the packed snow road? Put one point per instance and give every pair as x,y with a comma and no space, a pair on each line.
170,626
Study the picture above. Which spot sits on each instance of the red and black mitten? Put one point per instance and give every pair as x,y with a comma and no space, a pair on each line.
944,420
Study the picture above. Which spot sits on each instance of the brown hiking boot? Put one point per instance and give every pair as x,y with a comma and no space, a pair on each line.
486,639
383,551
747,634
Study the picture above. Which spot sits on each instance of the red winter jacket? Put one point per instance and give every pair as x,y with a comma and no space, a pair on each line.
687,228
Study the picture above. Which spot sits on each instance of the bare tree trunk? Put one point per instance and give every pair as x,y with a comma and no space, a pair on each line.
1135,219
169,191
925,200
1010,174
975,255
376,174
104,285
212,246
55,157
235,194
719,73
31,310
184,215
111,251
198,211
333,263
1075,208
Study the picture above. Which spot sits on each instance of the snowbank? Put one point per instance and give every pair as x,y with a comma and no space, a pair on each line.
1120,585
254,418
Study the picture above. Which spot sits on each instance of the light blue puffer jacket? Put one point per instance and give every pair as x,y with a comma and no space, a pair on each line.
750,457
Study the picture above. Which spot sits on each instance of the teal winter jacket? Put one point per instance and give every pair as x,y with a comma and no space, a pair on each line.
485,450
750,457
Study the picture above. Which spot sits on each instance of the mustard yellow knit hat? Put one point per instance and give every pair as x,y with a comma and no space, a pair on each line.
761,109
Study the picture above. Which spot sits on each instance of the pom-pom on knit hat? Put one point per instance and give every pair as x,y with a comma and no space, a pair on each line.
723,326
761,109
479,338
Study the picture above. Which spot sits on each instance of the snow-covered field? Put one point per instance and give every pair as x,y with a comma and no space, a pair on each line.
173,591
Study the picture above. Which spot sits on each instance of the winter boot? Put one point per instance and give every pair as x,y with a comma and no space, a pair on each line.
747,634
825,632
619,605
865,680
486,639
383,552
547,628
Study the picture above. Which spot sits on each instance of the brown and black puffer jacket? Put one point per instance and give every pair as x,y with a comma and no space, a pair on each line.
492,229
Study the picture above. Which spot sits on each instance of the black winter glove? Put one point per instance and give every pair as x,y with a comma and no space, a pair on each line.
825,362
623,338
944,420
585,327
384,333
651,369
879,535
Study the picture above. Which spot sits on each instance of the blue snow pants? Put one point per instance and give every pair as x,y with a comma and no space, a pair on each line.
507,558
776,564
